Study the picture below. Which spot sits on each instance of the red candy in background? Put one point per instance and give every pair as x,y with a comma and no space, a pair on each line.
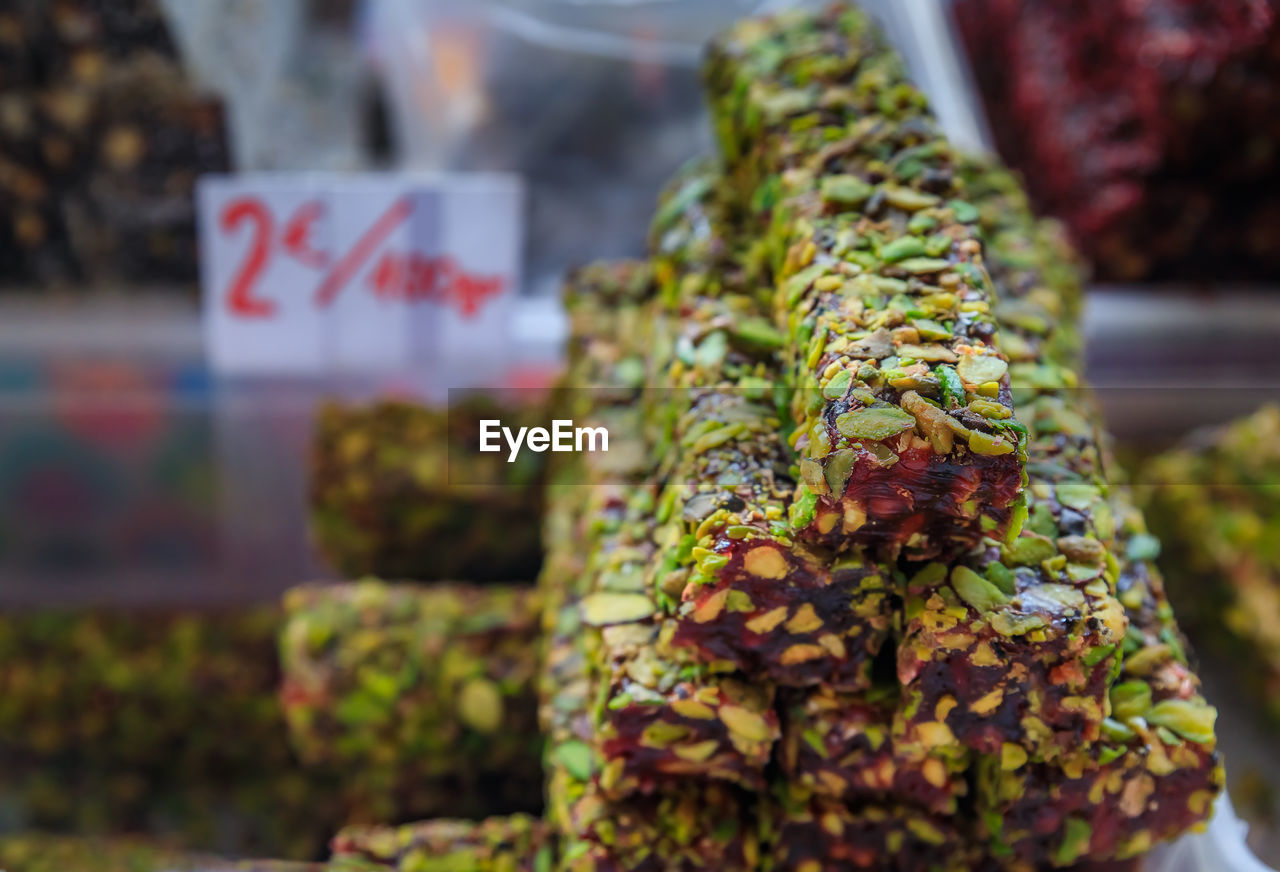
1151,127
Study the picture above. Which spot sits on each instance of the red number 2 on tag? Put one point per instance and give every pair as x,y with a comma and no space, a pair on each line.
296,239
240,294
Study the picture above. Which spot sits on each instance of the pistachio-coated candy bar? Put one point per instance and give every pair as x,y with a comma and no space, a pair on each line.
658,715
681,823
155,689
903,417
662,723
661,715
279,809
596,296
38,852
1016,644
608,306
1214,502
814,834
664,711
416,693
690,828
1154,773
513,843
1023,665
1036,274
1043,813
743,591
607,302
842,746
386,498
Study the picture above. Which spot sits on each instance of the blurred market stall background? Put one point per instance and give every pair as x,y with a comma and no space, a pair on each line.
133,474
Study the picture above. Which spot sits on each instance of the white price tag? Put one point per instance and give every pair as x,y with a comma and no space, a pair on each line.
308,274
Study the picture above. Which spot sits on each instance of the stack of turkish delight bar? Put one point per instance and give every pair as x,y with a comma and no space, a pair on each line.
866,598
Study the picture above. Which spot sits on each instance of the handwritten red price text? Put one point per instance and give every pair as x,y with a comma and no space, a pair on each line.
395,278
416,277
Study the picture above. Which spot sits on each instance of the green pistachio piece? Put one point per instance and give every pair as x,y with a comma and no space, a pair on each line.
675,206
1143,546
630,372
1059,597
922,222
757,334
801,511
480,705
877,422
930,329
835,389
1096,655
814,475
845,190
902,248
976,590
1008,624
1107,754
712,350
710,440
924,265
663,734
1042,522
909,199
938,245
908,354
785,104
1076,495
990,409
925,831
988,444
1130,699
1082,549
931,575
1146,660
952,388
966,213
882,454
1192,720
1029,549
1012,756
1075,842
1116,731
1002,577
710,561
800,282
977,369
839,466
746,723
814,740
607,607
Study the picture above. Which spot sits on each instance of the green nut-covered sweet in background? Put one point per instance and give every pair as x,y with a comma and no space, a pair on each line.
423,697
399,490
